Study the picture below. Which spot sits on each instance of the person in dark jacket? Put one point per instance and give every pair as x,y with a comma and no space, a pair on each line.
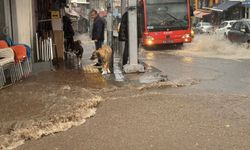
98,31
123,36
68,33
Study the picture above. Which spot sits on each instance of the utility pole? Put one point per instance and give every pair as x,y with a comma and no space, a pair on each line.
110,22
123,6
133,65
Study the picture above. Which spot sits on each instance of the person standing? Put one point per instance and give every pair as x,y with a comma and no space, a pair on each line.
68,33
123,36
97,31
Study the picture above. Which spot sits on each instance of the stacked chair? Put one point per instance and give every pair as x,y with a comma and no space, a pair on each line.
6,60
16,58
22,58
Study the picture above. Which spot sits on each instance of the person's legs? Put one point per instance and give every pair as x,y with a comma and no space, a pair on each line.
125,54
71,43
98,44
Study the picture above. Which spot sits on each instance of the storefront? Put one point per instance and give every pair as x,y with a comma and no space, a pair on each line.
246,4
229,10
17,20
5,23
201,14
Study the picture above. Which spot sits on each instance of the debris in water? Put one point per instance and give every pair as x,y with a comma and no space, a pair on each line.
169,84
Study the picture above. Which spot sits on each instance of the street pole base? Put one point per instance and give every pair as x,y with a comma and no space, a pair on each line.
133,68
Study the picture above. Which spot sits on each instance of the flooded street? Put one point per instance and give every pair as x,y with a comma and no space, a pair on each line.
202,103
221,66
49,103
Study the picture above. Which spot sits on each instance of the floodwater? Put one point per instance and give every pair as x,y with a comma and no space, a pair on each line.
57,101
52,102
45,104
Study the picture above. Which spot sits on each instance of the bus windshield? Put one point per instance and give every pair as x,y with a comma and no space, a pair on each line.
167,16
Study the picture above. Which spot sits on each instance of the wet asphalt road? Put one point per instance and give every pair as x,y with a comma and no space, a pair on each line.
218,75
212,114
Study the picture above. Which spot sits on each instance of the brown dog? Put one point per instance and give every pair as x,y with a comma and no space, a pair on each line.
105,54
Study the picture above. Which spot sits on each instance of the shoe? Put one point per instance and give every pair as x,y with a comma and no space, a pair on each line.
97,64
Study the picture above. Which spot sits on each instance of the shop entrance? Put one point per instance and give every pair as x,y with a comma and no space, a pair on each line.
5,17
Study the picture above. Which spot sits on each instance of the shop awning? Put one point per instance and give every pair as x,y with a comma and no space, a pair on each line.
225,6
71,12
246,3
199,13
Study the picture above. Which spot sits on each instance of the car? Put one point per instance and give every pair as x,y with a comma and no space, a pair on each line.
203,27
224,27
240,32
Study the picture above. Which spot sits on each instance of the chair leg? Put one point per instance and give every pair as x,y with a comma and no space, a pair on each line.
25,68
17,72
13,73
2,77
21,70
29,66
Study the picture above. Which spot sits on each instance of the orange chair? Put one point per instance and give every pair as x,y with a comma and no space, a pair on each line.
21,67
3,44
20,56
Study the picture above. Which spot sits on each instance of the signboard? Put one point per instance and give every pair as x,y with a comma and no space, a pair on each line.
55,14
247,3
164,1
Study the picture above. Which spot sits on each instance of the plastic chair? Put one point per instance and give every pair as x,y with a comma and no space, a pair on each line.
6,58
11,43
26,64
3,44
20,57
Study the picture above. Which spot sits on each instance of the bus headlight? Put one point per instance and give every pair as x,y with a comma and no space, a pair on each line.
186,36
192,33
149,40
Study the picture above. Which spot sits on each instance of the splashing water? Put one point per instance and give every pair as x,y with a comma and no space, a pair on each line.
214,46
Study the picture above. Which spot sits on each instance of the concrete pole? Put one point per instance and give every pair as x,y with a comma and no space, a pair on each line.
196,4
133,65
110,22
123,6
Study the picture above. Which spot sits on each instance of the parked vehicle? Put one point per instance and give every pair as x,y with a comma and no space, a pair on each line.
224,27
240,32
203,27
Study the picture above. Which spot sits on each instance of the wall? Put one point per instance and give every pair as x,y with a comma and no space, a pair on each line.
22,21
210,3
2,18
98,5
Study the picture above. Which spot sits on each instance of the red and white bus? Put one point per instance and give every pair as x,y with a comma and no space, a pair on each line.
165,22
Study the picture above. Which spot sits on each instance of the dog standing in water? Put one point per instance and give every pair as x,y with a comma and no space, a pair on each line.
105,54
78,50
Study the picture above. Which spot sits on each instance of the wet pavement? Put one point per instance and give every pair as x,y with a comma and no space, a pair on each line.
219,72
201,102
